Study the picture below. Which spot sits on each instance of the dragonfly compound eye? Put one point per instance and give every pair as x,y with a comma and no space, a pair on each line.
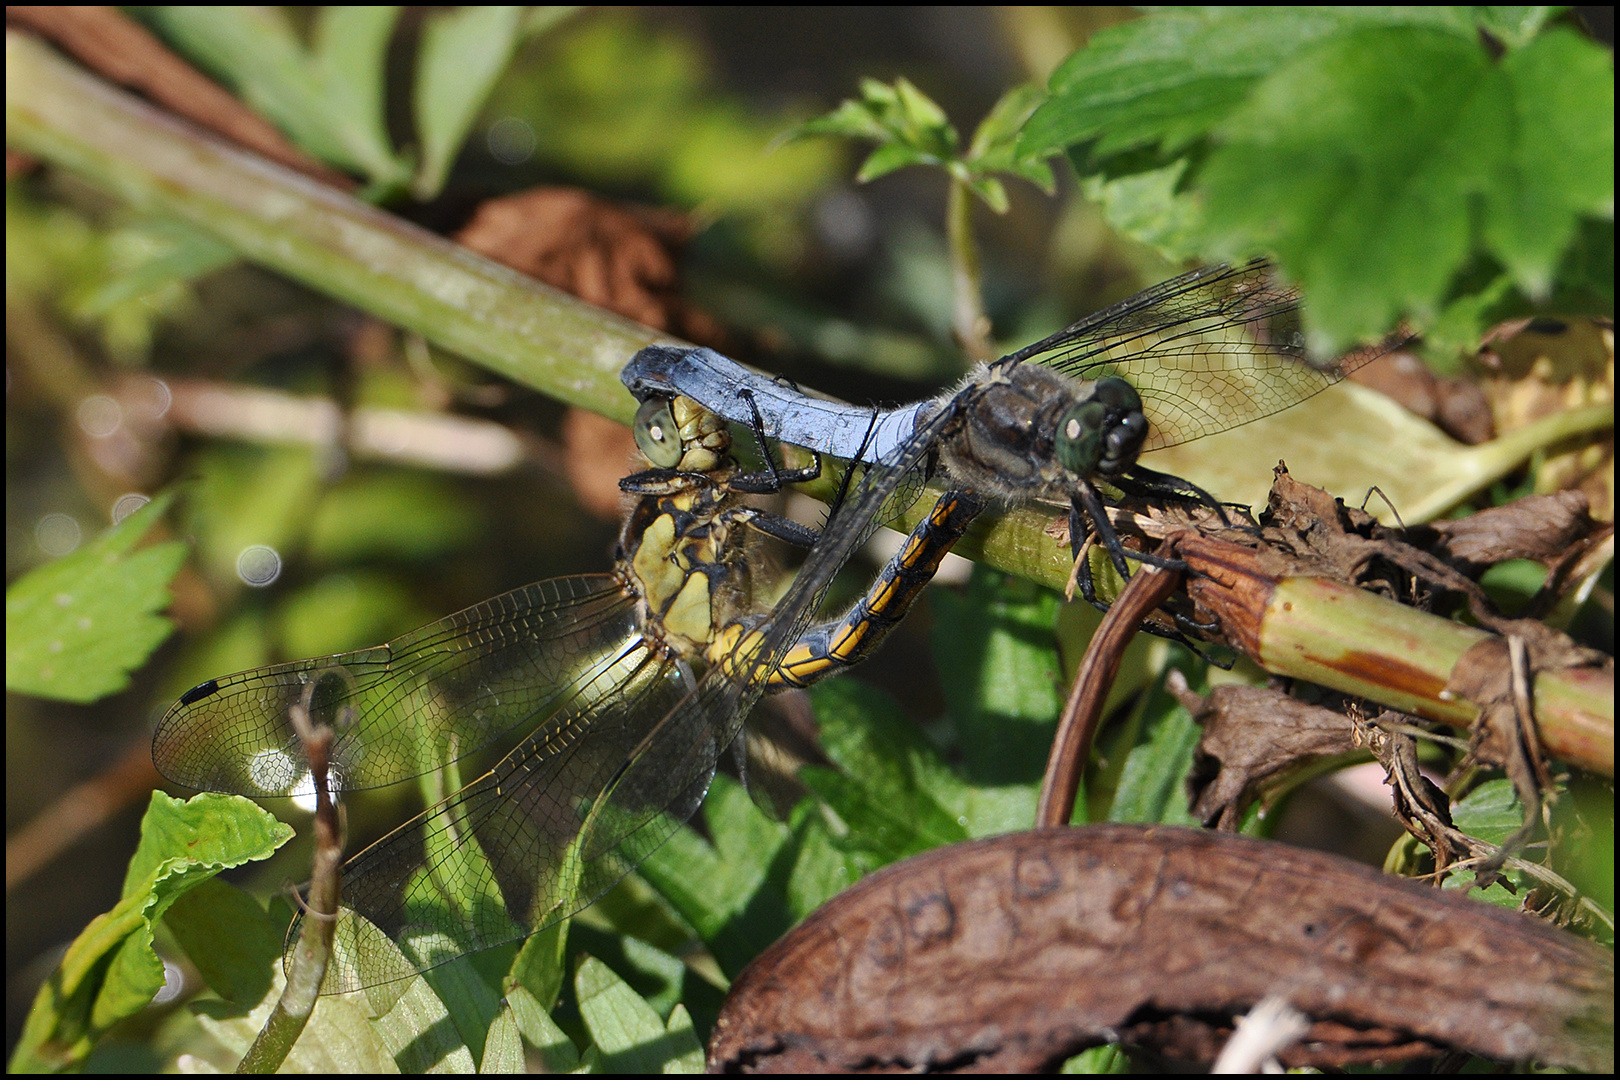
657,435
1104,433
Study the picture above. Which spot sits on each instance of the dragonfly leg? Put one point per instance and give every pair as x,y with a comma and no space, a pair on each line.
1148,484
773,478
1086,506
783,529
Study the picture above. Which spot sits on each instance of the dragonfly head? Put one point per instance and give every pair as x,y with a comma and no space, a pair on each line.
680,434
1104,433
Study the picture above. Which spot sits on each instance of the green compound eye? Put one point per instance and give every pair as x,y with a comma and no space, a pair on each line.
1104,433
657,435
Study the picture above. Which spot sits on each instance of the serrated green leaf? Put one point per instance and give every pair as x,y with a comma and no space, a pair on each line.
1163,82
1363,161
111,971
76,627
624,1028
1361,187
464,51
1560,164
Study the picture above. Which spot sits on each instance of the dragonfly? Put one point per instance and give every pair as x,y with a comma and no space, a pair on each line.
1193,356
607,701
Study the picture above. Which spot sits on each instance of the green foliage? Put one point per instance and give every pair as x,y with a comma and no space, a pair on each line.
627,1035
330,96
327,96
123,279
76,627
111,971
1379,153
910,129
464,51
671,130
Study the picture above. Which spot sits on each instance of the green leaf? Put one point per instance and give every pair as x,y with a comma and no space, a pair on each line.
731,891
822,868
503,1048
906,123
1360,184
328,102
1162,82
1560,164
76,627
891,156
626,1030
232,940
1152,786
349,57
999,670
464,51
1492,811
557,1051
995,142
111,971
885,789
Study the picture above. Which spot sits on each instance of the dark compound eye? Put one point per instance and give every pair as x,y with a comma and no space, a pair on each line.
656,433
1104,433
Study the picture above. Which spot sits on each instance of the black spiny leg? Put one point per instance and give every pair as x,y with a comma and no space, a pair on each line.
772,479
1086,508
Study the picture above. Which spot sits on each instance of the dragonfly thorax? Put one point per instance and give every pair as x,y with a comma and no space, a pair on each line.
1027,431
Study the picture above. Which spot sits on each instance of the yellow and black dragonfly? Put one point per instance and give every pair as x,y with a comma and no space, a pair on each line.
606,700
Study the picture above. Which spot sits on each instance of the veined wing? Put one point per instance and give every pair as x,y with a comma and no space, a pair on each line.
580,803
405,708
504,856
1207,351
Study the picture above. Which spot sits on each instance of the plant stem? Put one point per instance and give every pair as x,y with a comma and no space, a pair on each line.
968,319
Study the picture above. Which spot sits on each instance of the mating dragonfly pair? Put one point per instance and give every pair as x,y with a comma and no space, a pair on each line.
587,689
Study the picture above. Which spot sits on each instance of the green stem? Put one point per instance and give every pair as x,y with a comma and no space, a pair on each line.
968,319
507,322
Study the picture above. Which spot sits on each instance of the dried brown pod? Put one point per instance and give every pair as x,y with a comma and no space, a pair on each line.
1014,953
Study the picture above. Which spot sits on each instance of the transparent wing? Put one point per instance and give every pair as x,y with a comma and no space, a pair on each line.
583,800
509,853
1207,351
408,707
